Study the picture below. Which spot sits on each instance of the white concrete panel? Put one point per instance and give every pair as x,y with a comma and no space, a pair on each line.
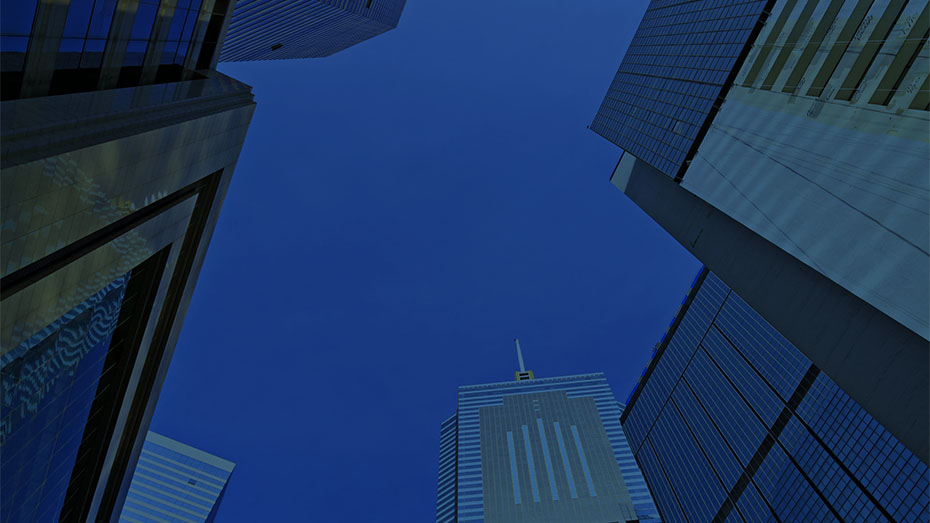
843,188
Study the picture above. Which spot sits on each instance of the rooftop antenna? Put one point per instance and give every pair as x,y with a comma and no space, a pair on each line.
522,374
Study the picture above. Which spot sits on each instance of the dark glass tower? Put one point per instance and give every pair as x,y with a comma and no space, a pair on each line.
731,422
174,481
279,29
784,144
118,143
533,450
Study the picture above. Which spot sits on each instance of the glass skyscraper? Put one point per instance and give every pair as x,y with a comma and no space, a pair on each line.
680,62
175,482
731,422
784,144
118,141
532,450
279,29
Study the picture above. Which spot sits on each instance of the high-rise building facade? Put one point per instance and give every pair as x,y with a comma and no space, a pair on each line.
118,142
784,143
534,450
175,482
731,422
280,29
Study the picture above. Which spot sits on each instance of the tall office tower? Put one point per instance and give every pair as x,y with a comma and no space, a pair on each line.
784,143
279,29
731,422
118,142
175,482
536,450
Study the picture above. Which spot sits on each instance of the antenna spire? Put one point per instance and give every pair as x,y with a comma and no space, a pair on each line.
519,355
522,374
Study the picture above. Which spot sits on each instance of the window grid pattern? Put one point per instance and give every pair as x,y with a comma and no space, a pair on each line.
680,58
49,383
175,482
277,29
469,497
803,448
445,497
669,368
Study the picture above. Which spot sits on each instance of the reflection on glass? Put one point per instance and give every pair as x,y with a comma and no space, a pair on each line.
48,386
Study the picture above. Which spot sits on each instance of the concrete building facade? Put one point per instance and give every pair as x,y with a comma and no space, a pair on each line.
800,178
537,450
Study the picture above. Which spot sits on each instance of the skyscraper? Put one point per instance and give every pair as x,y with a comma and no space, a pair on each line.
533,450
118,143
784,144
730,422
175,481
278,29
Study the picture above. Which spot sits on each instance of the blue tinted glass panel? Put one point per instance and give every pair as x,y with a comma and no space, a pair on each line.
78,18
14,43
17,17
822,459
662,491
143,22
135,52
167,54
177,24
71,45
729,412
724,463
699,491
49,383
101,19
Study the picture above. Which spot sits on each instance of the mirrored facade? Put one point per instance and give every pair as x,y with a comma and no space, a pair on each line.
107,204
49,385
732,423
175,482
547,449
85,45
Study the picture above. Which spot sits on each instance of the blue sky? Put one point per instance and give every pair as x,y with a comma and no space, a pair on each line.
400,212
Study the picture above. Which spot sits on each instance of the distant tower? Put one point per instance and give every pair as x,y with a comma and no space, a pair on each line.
280,29
175,480
530,450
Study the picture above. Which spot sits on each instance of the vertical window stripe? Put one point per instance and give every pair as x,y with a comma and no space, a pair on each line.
545,446
565,463
584,462
839,47
513,469
870,50
769,43
529,460
813,44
